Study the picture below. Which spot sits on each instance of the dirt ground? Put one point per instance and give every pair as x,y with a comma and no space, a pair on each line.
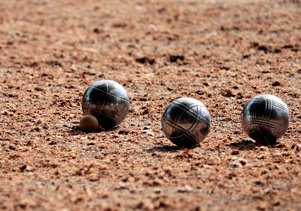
222,53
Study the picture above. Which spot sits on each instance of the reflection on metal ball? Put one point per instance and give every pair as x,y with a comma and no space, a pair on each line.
265,118
186,122
108,101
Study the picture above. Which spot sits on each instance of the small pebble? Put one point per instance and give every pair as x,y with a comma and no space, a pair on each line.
263,148
235,165
152,27
234,158
216,160
185,189
242,161
277,154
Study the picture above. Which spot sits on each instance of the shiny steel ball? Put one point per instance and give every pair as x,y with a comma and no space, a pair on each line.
108,101
186,122
265,118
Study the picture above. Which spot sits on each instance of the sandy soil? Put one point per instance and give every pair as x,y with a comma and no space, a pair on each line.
222,53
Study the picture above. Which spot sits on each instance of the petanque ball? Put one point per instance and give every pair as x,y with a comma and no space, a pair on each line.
186,122
265,118
108,101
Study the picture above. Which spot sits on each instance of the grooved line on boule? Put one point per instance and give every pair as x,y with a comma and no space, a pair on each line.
123,99
194,114
190,136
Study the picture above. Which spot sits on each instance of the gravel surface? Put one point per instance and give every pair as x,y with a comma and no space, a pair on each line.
222,53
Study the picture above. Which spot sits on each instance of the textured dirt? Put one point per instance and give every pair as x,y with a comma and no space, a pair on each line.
222,53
